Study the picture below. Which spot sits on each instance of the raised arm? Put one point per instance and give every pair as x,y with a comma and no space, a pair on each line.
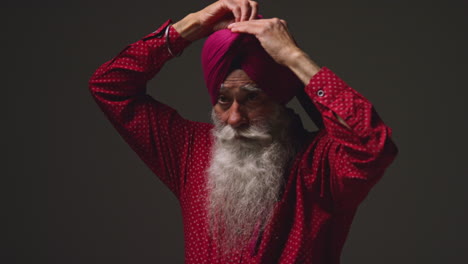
119,88
354,146
156,132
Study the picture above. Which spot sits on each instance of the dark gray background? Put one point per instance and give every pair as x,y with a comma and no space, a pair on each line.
74,192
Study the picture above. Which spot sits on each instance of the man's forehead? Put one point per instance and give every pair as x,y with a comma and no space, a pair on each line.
250,87
238,78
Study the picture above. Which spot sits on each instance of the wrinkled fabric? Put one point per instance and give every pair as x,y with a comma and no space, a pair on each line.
323,187
224,50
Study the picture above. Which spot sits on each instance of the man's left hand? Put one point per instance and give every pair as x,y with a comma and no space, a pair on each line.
275,38
273,35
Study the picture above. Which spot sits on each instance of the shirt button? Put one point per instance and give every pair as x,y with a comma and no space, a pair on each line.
320,93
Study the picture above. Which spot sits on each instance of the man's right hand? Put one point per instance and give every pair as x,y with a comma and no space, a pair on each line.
215,17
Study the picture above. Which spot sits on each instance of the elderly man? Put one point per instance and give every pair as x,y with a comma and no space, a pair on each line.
254,187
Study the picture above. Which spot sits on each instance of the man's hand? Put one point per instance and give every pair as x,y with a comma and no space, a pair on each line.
275,38
215,17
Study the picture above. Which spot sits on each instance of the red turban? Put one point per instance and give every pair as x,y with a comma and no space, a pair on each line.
224,50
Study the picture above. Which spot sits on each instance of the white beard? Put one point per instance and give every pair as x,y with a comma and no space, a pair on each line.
245,178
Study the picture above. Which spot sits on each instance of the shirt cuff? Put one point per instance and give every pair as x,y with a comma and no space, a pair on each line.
328,91
325,86
176,42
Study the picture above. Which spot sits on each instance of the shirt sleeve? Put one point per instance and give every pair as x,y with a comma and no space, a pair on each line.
349,160
156,132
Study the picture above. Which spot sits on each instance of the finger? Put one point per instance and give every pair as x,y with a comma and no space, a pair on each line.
254,10
237,13
250,27
255,22
245,10
235,9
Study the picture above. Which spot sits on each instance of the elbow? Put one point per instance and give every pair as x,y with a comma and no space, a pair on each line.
91,86
98,78
93,82
388,151
391,150
390,147
378,150
387,155
97,82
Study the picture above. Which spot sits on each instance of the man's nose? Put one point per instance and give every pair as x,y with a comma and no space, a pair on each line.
236,117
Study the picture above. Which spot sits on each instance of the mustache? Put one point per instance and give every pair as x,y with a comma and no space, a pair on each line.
253,132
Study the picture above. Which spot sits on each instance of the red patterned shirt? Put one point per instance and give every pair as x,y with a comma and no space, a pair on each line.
323,188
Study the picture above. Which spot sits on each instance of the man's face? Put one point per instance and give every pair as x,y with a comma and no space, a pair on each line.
251,151
241,103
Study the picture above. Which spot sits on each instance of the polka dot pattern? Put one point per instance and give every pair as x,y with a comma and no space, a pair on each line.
327,181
